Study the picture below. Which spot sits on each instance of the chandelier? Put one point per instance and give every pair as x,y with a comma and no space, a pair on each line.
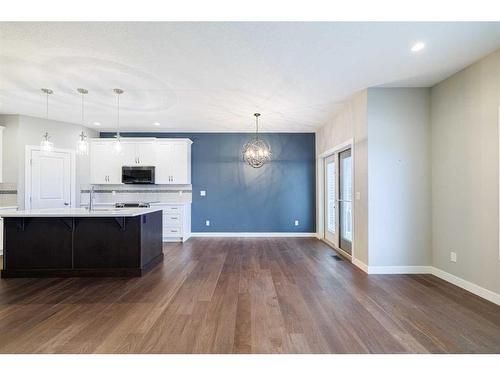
257,151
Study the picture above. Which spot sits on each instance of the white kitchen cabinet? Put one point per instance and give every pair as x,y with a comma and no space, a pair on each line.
1,151
105,163
138,153
176,221
173,161
170,157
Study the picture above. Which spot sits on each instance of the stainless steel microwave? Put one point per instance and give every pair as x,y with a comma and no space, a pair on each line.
138,175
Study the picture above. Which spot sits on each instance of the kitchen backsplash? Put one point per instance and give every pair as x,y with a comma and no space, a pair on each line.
8,194
131,194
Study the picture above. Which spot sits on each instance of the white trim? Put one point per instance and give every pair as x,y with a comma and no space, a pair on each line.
499,179
337,148
467,285
253,234
362,266
387,270
27,174
452,279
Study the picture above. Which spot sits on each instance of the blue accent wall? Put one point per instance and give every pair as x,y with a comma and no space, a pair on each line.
243,199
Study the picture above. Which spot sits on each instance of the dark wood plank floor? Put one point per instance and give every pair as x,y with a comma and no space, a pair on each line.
246,296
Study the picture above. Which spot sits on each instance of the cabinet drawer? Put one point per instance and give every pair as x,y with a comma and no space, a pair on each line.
170,220
171,232
173,210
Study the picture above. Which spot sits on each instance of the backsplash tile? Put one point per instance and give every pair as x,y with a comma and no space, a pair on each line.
131,194
8,194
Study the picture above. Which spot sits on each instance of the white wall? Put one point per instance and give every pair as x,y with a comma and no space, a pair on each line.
399,170
24,130
465,188
350,123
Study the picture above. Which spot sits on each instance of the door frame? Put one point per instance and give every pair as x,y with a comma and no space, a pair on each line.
27,174
322,196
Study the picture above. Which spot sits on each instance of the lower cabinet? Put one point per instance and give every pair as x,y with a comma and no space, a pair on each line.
176,221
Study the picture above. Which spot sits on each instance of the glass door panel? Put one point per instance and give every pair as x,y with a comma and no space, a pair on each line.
345,201
331,200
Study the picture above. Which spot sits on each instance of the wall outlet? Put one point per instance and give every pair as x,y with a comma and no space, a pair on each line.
207,223
203,193
358,195
453,257
113,192
296,223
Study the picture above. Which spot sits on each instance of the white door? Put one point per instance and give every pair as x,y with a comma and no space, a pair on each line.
50,180
331,213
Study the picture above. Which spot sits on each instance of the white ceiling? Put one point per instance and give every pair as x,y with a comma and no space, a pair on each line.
214,76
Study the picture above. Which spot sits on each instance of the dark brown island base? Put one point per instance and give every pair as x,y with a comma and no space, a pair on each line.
78,242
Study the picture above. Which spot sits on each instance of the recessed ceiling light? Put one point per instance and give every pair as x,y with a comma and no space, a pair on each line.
418,46
156,123
97,123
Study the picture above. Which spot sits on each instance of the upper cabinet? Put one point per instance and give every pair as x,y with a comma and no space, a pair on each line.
138,153
173,161
170,157
105,165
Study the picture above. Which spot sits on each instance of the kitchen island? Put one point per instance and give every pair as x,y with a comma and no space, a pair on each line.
78,242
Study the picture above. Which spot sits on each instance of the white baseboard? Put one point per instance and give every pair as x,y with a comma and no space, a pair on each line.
467,285
253,234
452,279
387,270
360,264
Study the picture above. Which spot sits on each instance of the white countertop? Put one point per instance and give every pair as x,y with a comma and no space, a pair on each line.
81,212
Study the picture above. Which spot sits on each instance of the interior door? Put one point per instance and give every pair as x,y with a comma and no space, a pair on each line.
331,222
50,179
345,201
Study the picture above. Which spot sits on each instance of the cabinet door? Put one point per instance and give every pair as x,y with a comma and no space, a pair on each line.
128,154
163,156
146,153
180,170
104,164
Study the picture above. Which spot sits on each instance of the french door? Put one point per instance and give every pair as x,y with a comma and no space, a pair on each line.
338,200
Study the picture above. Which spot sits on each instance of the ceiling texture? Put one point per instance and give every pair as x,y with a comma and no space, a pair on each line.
212,76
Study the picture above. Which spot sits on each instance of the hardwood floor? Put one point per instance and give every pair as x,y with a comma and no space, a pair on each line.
223,295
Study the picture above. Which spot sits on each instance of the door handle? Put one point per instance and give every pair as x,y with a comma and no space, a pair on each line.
66,203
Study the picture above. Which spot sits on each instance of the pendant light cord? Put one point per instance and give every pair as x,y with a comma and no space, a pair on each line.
47,105
118,117
257,127
83,114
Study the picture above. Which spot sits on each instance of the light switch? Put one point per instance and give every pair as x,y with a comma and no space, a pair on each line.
453,257
207,223
203,193
358,195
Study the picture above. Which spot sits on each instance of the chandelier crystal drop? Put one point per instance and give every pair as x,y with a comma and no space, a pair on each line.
256,152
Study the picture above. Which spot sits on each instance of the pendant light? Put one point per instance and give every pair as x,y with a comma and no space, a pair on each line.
257,151
118,145
82,146
46,145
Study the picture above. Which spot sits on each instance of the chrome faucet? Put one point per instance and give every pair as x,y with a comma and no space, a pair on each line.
91,198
